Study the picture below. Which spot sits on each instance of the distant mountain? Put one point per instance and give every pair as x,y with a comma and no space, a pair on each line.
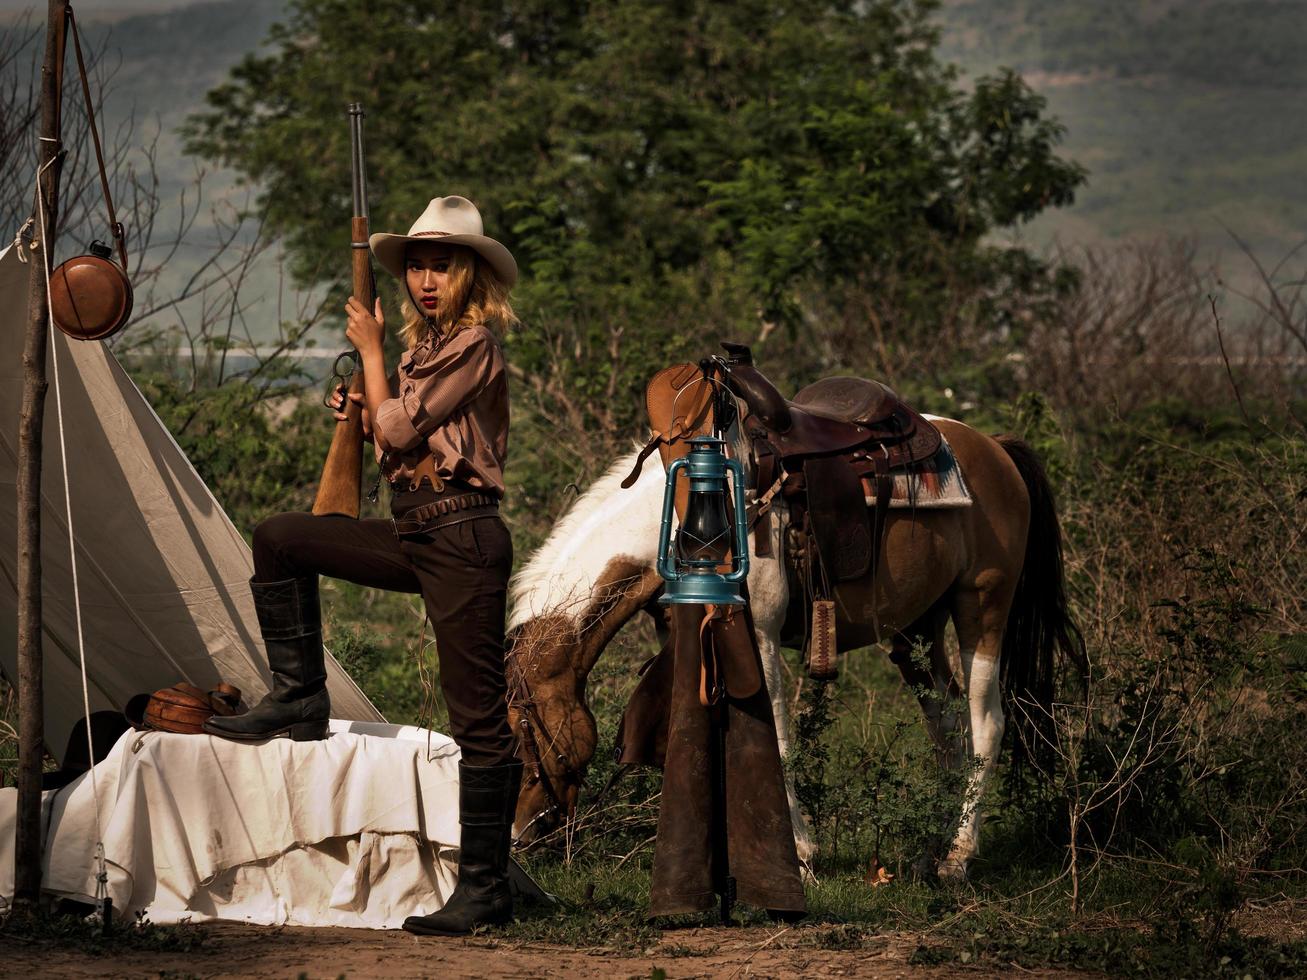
161,64
171,57
1188,113
154,60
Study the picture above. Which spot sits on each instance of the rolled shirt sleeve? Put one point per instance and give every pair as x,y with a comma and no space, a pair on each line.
435,384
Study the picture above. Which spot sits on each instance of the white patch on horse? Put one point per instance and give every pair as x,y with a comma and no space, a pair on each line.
605,522
985,734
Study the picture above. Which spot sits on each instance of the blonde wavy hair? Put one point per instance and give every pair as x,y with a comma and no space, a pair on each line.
475,296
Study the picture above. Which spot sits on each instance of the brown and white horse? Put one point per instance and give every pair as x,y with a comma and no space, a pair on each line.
994,569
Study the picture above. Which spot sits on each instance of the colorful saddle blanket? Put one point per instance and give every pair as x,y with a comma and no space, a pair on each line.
936,483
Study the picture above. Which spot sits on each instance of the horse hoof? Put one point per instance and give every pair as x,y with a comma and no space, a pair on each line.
953,872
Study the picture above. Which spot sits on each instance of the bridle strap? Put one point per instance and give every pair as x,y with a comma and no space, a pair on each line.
529,721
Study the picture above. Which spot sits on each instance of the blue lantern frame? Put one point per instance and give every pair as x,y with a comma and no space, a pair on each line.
707,466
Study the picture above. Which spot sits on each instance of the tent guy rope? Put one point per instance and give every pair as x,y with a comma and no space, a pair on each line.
102,875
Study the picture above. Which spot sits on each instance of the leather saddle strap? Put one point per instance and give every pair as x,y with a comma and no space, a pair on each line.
677,431
225,698
678,405
884,488
710,668
114,226
765,487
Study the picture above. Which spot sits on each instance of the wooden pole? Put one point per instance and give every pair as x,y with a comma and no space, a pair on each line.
31,693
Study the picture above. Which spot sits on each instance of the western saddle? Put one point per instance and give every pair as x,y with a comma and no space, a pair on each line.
837,443
833,415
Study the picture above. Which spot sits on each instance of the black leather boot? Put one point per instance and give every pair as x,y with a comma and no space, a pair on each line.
487,801
298,704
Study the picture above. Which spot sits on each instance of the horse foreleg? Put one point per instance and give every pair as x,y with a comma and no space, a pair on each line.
770,649
769,595
980,636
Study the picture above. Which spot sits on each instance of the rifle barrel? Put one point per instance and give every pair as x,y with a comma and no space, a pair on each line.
360,179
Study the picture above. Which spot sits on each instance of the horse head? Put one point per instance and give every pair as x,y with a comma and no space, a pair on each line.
556,732
593,573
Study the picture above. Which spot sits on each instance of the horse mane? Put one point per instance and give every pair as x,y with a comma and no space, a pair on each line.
552,571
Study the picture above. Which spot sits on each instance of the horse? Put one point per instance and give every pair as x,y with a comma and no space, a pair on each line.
992,569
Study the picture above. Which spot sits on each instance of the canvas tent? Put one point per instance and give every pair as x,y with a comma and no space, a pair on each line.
163,573
360,829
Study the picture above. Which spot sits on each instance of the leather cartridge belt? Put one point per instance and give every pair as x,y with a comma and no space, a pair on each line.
445,511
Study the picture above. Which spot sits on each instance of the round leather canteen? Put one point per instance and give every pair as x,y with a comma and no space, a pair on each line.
90,296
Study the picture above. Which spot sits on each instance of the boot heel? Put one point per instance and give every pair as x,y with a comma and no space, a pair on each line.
308,731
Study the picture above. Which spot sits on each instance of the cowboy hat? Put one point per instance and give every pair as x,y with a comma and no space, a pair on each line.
451,221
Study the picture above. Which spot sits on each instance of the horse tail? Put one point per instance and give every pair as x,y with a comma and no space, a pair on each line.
1039,624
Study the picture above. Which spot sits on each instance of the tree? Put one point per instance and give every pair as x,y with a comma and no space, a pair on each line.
661,171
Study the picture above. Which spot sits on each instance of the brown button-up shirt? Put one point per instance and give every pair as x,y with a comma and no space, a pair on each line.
452,403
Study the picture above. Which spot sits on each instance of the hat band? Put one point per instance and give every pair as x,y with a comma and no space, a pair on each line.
430,234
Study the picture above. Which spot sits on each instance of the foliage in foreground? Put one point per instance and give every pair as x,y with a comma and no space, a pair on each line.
997,922
71,927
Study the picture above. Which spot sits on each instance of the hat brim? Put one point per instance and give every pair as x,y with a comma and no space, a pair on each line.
389,250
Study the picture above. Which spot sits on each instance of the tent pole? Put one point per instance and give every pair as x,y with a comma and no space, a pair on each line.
31,709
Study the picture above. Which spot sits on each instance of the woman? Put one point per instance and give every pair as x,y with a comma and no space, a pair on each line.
441,439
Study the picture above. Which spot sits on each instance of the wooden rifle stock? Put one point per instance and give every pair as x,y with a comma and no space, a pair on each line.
341,484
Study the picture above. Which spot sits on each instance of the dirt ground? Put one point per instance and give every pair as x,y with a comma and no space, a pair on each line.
246,951
779,951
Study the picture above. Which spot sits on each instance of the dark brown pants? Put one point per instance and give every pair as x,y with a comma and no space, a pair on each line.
461,571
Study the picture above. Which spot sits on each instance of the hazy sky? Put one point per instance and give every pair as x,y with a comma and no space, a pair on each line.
94,8
98,10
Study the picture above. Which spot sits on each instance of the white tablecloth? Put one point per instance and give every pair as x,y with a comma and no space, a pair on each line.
358,830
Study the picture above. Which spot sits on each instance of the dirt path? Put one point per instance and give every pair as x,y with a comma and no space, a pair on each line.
246,951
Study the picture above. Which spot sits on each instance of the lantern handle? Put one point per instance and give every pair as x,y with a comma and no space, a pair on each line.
665,568
741,523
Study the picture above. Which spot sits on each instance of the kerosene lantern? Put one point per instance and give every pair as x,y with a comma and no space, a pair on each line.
691,563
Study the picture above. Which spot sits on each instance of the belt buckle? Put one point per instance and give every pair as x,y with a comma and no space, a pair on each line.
406,523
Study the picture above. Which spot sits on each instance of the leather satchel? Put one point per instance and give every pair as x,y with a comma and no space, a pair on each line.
182,708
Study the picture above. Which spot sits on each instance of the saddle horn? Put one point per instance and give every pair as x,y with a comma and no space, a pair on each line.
751,385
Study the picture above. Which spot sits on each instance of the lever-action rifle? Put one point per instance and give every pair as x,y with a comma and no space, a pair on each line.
341,484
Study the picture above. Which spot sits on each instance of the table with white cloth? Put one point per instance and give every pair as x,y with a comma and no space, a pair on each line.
360,829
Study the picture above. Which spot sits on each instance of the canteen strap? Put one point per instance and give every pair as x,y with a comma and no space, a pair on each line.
115,226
